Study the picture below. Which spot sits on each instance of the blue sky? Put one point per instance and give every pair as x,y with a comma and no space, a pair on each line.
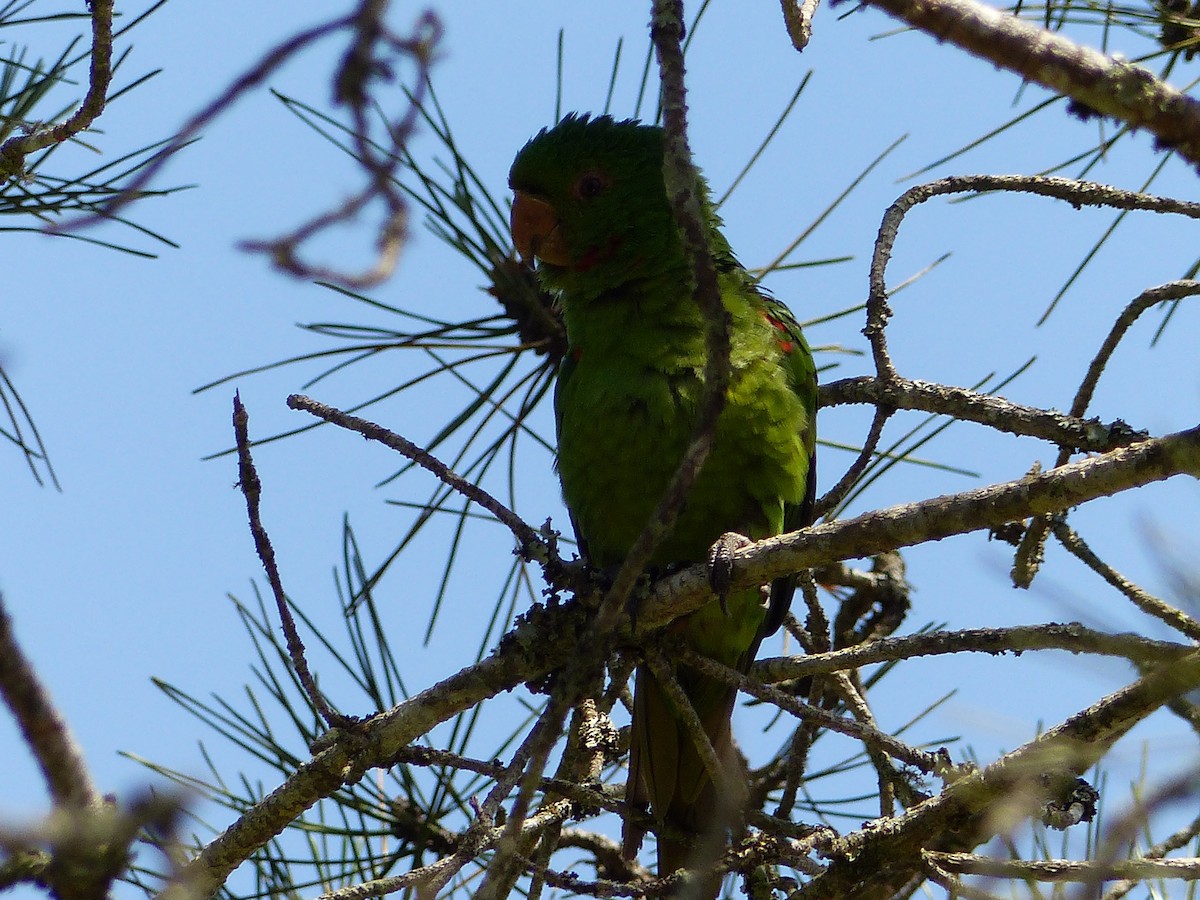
125,574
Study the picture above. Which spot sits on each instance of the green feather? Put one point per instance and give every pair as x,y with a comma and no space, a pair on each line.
626,405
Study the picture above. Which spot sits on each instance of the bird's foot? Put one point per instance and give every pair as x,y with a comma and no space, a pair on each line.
720,564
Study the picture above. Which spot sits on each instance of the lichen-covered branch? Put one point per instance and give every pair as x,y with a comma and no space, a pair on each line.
1059,870
1089,435
1096,82
15,150
932,520
1072,637
874,862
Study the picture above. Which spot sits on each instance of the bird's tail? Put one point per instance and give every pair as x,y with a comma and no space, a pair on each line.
667,770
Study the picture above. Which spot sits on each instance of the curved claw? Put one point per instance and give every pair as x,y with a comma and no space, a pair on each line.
720,564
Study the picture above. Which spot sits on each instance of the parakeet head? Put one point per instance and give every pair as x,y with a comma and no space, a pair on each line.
590,206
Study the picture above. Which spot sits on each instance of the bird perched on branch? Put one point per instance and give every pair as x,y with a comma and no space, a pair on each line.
590,206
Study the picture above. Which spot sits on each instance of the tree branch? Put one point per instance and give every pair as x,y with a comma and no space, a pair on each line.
681,180
545,639
532,544
874,862
1059,870
15,150
1031,550
1073,638
251,487
932,520
1098,83
45,731
1142,599
1089,435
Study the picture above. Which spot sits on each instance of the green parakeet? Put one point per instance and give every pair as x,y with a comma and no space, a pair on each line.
590,206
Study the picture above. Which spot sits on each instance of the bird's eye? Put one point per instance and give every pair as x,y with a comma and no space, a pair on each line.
590,185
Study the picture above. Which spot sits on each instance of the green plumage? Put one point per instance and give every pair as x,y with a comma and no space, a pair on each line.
592,208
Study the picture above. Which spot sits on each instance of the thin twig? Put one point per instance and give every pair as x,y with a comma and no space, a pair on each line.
359,66
531,543
1031,550
582,761
583,794
1163,293
795,764
854,471
856,703
527,766
1142,599
1122,831
1077,193
868,734
887,856
1180,838
681,180
252,491
427,880
685,714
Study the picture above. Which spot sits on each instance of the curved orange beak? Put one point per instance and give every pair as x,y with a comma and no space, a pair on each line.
535,230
